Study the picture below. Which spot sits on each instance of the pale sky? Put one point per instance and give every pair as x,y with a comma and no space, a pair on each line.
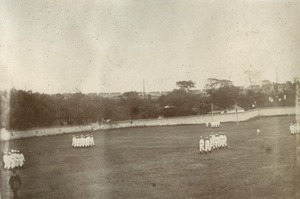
61,46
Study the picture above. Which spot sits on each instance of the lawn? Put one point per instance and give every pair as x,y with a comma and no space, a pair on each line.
163,162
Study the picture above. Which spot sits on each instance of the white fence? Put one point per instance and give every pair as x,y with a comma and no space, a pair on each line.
197,119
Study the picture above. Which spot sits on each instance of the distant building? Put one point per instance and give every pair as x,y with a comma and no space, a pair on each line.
281,87
165,92
67,95
154,94
254,87
141,94
196,92
103,94
92,94
216,110
115,95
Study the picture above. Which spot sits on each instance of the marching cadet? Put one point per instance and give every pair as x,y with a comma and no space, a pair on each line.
212,141
292,129
5,160
22,158
297,128
201,145
225,140
86,141
77,141
73,141
9,161
220,141
81,141
217,141
207,145
207,124
17,159
212,124
13,160
92,141
221,138
214,145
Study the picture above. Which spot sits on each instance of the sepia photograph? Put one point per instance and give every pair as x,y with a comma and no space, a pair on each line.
142,99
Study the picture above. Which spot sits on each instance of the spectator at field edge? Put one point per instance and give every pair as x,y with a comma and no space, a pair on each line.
15,183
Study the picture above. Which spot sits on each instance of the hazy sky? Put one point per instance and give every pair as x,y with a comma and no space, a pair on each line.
112,45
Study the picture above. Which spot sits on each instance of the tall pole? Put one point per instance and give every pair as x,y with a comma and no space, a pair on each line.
236,111
144,88
249,77
56,108
212,112
297,103
276,85
276,74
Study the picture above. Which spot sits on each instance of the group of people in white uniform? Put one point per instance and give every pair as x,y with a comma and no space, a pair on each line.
13,159
213,142
83,141
294,128
213,124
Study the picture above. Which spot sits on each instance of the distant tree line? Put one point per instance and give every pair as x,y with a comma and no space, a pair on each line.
31,110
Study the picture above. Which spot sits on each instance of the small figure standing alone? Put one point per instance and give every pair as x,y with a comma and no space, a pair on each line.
15,183
201,145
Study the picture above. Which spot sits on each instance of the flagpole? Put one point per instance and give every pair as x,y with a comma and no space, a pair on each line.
212,111
237,115
144,88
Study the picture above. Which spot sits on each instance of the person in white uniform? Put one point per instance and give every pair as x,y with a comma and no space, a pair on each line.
292,129
92,141
207,124
211,142
86,141
5,160
81,141
225,140
77,141
22,158
201,145
207,145
297,128
73,141
217,141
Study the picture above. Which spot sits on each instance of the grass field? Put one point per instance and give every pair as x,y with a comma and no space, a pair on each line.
163,162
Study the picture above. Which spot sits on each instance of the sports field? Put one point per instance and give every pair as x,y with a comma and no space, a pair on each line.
163,162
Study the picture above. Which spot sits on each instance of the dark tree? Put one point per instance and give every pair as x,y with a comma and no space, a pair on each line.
134,111
213,83
185,85
225,97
